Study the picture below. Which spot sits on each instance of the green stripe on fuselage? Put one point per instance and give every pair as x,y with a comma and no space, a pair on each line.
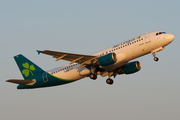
43,81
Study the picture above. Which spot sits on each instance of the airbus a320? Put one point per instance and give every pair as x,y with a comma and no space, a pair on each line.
109,62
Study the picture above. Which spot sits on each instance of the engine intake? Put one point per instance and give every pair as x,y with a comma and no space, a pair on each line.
131,67
107,59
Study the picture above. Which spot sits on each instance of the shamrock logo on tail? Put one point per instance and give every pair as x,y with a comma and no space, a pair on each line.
28,69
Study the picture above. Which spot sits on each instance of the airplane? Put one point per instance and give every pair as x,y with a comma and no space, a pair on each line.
109,62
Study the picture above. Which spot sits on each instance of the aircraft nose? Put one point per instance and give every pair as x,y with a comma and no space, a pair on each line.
171,37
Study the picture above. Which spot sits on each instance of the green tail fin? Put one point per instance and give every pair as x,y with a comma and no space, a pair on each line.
28,69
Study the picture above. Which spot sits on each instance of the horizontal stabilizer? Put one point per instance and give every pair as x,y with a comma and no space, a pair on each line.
22,82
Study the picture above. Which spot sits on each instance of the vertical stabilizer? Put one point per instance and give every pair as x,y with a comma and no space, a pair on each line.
28,69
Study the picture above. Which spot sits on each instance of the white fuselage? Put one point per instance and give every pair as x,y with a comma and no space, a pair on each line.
125,51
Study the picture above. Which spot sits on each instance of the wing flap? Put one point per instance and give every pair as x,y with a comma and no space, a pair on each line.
22,82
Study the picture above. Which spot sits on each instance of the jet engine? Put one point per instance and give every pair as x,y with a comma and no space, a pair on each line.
107,59
131,67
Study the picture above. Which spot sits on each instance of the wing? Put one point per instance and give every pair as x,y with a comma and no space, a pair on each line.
78,58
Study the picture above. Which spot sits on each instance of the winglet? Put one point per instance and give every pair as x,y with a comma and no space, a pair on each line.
38,51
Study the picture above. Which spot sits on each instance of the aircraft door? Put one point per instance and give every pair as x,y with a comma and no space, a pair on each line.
147,38
44,76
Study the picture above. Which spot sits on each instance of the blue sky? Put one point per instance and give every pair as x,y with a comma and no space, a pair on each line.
86,27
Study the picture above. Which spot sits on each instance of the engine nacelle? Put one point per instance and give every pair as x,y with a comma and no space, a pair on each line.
107,59
131,67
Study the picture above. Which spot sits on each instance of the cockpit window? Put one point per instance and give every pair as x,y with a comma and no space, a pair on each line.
163,32
160,33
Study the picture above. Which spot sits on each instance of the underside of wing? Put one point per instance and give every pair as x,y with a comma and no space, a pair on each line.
78,58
